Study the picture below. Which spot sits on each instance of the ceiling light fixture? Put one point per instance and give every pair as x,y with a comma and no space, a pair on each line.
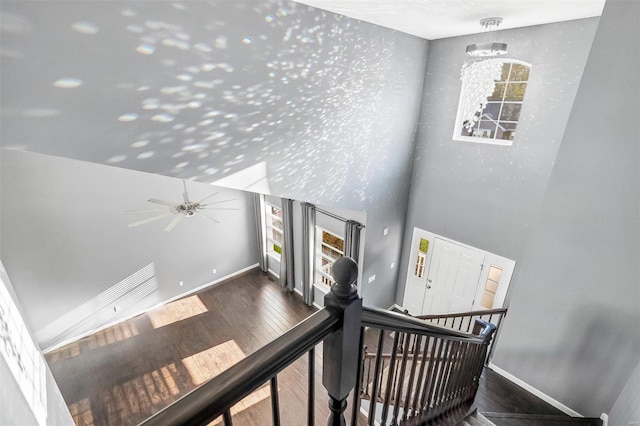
488,49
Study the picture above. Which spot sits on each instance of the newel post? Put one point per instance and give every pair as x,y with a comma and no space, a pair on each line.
341,348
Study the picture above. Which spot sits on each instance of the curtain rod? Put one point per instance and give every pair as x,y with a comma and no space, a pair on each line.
335,216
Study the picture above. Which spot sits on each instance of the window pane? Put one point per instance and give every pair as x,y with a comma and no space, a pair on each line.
333,241
491,111
506,131
276,211
485,129
276,222
515,91
505,72
510,112
424,245
498,92
276,235
519,73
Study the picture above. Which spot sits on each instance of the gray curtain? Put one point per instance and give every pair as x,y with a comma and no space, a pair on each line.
352,239
286,259
308,250
261,230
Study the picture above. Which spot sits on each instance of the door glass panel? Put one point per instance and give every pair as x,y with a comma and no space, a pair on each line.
423,247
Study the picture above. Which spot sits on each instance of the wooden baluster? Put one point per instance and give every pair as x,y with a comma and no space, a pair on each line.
442,373
359,376
376,373
311,399
340,349
421,378
414,364
400,385
387,393
226,416
275,403
436,361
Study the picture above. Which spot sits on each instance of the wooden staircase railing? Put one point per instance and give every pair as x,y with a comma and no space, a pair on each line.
432,372
428,375
464,321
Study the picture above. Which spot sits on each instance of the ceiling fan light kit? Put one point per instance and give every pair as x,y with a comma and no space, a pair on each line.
180,211
491,48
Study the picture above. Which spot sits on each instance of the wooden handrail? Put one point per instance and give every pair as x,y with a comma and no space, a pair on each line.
463,314
381,318
215,397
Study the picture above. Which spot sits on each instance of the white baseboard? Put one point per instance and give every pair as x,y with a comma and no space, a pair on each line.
272,272
143,311
537,392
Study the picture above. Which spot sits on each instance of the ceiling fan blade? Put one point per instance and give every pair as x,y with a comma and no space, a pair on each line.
220,208
217,202
163,202
149,219
143,211
174,222
207,197
209,217
185,195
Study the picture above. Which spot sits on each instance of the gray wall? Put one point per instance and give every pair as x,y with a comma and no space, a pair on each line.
572,329
329,104
626,410
65,236
483,195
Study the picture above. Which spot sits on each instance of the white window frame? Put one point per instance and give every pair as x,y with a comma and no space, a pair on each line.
271,242
491,141
323,278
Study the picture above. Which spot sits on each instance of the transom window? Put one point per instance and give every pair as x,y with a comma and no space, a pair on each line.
491,100
274,230
331,248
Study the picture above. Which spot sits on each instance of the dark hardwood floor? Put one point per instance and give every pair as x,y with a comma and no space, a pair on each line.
124,374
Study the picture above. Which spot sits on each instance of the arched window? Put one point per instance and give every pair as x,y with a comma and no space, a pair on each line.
491,100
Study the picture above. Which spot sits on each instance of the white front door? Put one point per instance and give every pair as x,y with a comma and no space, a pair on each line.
452,279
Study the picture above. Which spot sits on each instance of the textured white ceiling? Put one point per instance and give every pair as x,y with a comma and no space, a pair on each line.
433,19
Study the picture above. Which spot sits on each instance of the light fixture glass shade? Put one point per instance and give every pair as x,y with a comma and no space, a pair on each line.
487,49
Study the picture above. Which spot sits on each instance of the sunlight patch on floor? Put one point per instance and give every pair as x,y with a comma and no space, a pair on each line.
113,334
213,361
141,397
81,412
66,352
177,311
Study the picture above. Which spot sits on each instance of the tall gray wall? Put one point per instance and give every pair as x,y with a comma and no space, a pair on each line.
327,104
484,195
572,329
65,238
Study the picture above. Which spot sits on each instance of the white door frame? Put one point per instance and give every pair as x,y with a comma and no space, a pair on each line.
412,297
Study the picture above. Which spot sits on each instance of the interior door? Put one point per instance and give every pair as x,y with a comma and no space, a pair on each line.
417,271
453,278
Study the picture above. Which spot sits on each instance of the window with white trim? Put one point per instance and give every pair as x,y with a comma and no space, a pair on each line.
491,99
330,248
275,233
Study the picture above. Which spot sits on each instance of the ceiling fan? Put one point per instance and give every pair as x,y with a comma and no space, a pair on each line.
180,210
